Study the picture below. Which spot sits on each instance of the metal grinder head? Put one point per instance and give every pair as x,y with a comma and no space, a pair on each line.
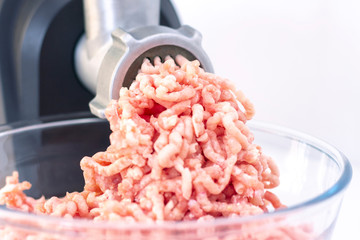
123,60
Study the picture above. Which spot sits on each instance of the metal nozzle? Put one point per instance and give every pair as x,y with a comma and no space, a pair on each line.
106,62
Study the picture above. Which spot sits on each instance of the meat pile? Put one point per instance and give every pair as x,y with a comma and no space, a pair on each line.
179,149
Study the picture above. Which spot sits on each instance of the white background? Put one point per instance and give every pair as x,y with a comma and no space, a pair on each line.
299,63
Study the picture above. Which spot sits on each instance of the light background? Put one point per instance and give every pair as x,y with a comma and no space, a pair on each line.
299,63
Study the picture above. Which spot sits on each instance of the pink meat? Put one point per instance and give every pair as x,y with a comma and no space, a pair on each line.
180,150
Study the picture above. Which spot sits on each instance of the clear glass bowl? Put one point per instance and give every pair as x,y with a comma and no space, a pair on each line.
314,176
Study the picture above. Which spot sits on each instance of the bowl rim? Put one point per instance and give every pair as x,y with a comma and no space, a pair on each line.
15,217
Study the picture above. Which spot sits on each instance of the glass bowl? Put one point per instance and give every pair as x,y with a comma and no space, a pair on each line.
314,176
